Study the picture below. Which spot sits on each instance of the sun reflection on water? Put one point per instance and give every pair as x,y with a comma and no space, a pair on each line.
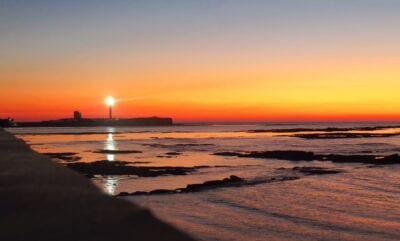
110,144
110,184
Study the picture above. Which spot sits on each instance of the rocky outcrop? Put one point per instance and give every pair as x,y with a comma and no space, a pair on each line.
64,156
105,167
328,129
235,181
310,156
226,182
343,135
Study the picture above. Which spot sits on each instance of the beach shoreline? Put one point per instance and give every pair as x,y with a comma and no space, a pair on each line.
42,200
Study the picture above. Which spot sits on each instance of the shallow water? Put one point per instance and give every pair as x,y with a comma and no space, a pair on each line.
360,203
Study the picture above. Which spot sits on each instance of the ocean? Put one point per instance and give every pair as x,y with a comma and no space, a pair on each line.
277,197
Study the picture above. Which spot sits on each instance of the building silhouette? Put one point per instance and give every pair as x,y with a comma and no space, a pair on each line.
77,115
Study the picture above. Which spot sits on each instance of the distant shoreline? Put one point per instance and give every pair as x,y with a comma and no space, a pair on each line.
144,121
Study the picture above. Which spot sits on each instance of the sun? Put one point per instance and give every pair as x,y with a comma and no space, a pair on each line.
110,101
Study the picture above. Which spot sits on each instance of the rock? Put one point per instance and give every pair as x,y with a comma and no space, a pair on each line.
161,191
227,153
117,151
105,167
65,156
307,170
232,181
310,156
234,178
329,129
343,135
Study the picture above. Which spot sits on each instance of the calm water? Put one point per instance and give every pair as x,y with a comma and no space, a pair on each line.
359,204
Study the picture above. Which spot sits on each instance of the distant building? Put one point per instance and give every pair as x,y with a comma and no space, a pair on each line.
7,122
77,115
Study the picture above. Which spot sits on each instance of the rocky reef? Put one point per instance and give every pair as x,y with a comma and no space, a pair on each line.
105,167
310,156
295,173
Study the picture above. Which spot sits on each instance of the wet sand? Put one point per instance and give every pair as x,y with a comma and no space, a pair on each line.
41,200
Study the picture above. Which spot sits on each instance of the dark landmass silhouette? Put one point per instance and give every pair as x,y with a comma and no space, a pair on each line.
87,122
8,122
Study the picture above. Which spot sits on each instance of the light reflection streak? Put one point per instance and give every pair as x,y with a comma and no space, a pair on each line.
111,145
110,184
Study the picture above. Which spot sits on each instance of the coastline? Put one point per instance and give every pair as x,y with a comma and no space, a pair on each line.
87,122
42,200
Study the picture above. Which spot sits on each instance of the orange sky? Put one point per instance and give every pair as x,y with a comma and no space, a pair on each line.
217,68
347,92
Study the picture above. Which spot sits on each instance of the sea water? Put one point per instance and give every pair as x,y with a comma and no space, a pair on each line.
360,203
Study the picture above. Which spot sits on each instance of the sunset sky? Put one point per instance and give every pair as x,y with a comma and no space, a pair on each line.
220,60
